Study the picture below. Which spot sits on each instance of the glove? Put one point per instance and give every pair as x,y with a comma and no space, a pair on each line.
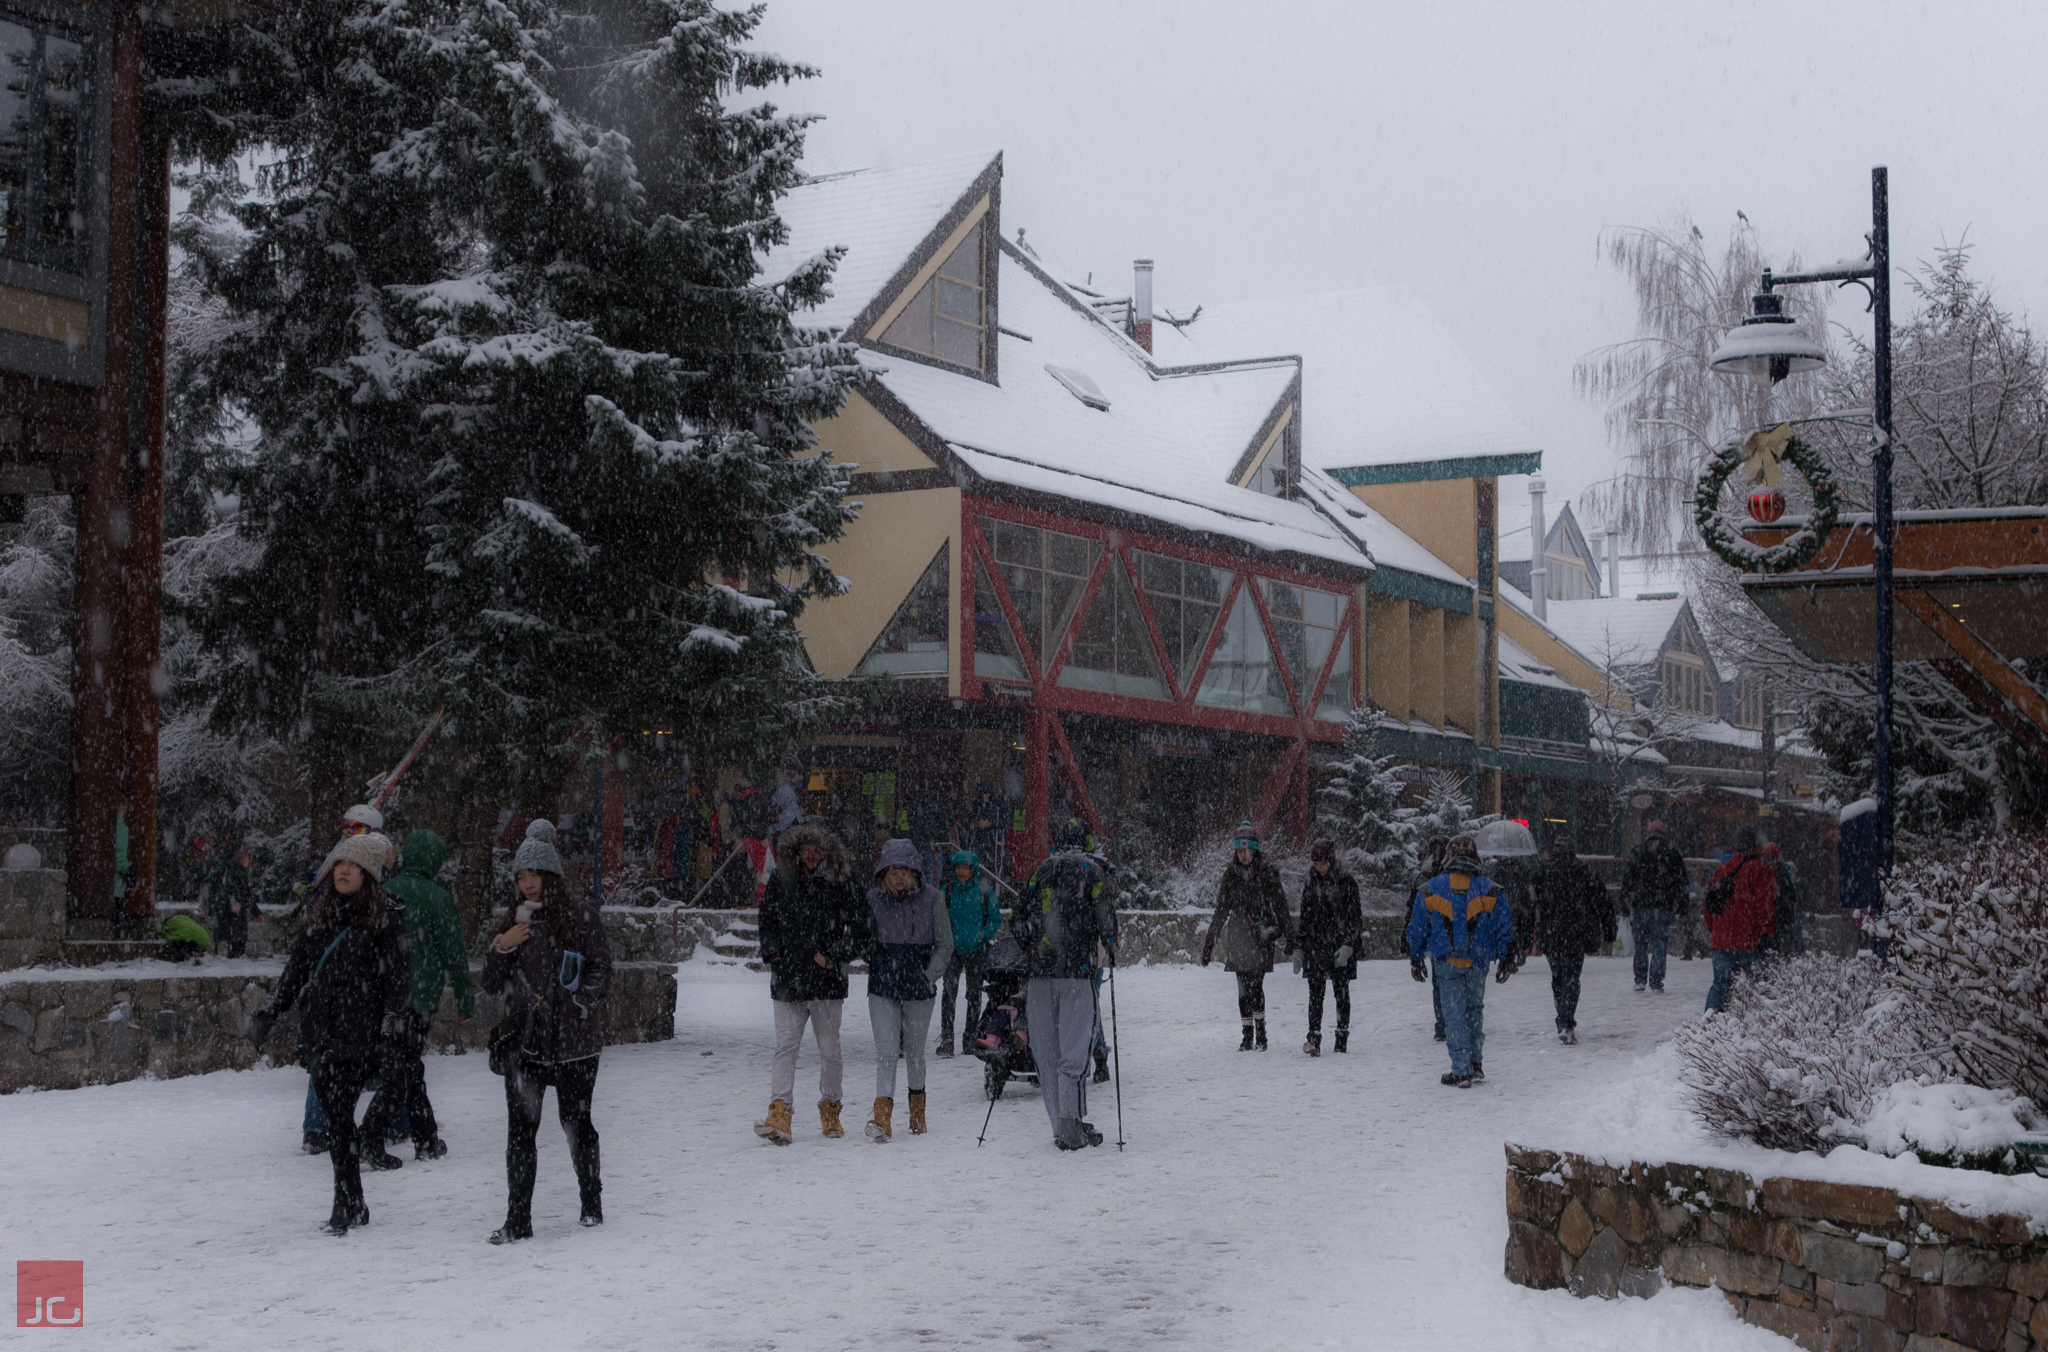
260,1024
1415,970
1506,970
1344,955
396,1025
1297,964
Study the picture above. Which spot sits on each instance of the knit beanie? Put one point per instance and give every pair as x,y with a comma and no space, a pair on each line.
1247,838
369,852
537,852
1656,829
1323,848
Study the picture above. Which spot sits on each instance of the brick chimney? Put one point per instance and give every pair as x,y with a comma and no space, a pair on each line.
1141,302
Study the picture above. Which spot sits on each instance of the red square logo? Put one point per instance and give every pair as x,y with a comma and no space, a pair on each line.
49,1294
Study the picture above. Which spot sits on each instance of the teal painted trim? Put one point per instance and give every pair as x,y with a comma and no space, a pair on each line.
1486,611
1542,766
1423,471
1428,747
1430,591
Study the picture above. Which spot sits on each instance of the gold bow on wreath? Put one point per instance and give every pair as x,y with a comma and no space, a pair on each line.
1764,450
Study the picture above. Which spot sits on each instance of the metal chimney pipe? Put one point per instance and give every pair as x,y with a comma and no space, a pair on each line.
1141,302
1539,567
1594,539
1614,563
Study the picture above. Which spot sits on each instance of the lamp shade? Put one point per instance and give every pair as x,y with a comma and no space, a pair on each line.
1767,345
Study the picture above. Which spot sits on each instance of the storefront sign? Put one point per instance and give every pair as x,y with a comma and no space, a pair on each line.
1166,741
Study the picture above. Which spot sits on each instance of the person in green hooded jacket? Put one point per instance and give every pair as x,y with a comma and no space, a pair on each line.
438,957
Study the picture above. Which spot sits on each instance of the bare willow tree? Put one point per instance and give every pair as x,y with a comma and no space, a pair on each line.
1666,410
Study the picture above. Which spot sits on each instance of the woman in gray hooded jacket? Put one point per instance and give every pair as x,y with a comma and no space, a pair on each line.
913,942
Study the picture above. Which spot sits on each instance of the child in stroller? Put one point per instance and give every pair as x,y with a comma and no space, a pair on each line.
1003,1042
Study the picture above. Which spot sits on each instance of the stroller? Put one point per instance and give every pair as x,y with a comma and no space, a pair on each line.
1003,1042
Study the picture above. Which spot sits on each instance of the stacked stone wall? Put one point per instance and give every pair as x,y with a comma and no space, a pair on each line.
1835,1267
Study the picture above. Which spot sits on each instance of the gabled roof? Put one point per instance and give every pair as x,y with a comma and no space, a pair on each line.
1387,384
1391,547
1621,633
1519,664
880,216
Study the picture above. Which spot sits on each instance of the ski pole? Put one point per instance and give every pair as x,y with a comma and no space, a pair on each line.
1116,1055
985,1121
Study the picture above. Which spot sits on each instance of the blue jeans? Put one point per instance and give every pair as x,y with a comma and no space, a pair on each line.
1651,928
1729,963
1436,998
1464,991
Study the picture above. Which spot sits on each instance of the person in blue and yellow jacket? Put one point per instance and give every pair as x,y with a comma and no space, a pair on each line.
1462,924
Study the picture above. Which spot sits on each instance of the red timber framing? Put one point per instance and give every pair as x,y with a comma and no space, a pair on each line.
1045,737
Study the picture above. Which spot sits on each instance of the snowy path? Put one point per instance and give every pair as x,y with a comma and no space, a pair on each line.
1263,1202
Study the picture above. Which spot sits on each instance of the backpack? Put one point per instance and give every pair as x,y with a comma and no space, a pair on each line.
1069,923
1722,891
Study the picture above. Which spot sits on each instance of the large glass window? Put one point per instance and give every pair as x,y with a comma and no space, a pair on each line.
1241,675
1185,599
915,639
995,647
1112,652
1685,686
947,318
1044,571
1335,706
1305,626
45,108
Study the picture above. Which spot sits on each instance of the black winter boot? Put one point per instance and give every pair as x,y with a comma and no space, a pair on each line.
1102,1067
1246,1045
945,1040
315,1143
1259,1026
373,1154
1343,1041
1314,1045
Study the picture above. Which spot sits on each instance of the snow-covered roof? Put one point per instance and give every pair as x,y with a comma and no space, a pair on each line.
1386,382
1391,546
1613,631
1519,664
878,215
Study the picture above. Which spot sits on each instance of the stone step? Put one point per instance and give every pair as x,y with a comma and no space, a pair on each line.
93,952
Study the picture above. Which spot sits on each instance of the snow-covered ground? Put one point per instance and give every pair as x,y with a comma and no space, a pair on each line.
1262,1201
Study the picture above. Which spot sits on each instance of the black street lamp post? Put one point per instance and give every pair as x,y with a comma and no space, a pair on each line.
1767,347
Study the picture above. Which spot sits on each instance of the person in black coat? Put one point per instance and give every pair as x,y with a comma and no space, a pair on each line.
814,921
1329,933
1653,895
350,971
1572,917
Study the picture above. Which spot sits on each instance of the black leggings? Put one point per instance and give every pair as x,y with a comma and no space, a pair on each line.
404,1090
1251,995
1565,973
574,1083
1315,1002
338,1084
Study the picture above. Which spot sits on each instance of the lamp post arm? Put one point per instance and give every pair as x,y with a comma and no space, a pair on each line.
1861,274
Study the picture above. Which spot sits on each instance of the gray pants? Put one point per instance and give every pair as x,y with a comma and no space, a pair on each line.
900,1026
790,1018
1061,1011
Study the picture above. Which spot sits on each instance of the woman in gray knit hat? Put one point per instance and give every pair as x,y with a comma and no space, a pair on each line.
550,954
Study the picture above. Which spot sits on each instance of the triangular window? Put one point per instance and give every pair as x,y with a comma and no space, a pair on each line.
1186,598
915,641
947,318
995,647
1241,675
1112,651
1044,572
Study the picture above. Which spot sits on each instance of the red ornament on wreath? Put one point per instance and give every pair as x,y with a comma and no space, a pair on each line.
1766,505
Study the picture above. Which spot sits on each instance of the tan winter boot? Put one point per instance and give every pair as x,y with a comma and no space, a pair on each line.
828,1117
917,1112
776,1127
878,1125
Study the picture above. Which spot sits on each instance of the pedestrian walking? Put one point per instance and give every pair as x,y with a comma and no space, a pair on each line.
347,970
1461,924
1331,931
1790,937
988,826
976,917
1572,916
1653,895
1741,907
1061,920
912,941
437,959
360,819
552,963
231,901
1251,916
813,922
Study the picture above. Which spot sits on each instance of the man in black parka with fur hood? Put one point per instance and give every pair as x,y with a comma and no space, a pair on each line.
813,922
1573,916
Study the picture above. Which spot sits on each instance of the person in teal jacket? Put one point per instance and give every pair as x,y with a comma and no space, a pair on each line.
438,959
1461,923
977,916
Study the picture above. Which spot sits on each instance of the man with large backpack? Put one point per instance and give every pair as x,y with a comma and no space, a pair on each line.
1059,920
1653,894
1741,907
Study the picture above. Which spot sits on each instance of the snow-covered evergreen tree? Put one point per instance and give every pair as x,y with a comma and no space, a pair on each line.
1361,806
533,433
35,660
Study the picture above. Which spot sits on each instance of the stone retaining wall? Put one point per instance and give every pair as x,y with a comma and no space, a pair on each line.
31,916
100,1029
1836,1267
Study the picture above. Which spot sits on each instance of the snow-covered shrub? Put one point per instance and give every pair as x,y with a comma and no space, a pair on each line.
1804,1046
1969,932
1959,1126
1143,880
1361,809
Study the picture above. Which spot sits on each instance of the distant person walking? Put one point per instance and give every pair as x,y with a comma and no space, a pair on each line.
231,901
1460,924
1741,908
1331,933
438,960
1571,918
814,921
1790,937
977,916
1060,920
1251,916
1653,894
348,967
912,943
1433,864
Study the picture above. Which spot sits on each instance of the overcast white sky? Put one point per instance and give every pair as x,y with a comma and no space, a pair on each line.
1472,150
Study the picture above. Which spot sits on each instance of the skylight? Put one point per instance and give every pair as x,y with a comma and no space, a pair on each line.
1079,384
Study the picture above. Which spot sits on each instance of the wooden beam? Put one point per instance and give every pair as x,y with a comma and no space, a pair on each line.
1978,691
1993,669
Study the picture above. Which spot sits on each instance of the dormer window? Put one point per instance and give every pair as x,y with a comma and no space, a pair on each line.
948,317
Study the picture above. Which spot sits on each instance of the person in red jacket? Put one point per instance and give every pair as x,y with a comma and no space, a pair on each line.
1741,908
